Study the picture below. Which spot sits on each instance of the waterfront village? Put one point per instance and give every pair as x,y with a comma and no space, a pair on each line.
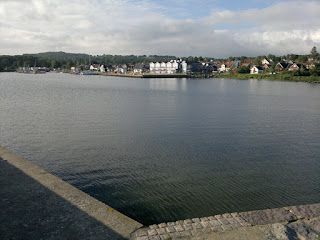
183,67
202,67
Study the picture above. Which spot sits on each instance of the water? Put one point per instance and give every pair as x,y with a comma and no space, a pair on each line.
161,150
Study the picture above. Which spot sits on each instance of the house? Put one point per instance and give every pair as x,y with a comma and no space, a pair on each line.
265,66
102,69
294,66
282,66
265,61
225,67
95,67
256,70
171,67
140,68
198,67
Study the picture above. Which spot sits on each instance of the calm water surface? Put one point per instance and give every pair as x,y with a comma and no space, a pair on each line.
167,149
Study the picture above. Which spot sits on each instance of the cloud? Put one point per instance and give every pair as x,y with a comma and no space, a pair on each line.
145,27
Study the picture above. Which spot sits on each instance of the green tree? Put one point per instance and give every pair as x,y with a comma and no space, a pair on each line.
314,52
257,62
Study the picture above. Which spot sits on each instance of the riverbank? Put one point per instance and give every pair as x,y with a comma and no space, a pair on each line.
37,205
279,77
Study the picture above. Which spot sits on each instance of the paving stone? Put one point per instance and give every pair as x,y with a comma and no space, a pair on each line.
235,215
206,230
143,238
161,231
141,233
171,223
175,235
232,221
154,238
188,226
218,216
196,233
180,222
197,225
236,226
217,229
179,228
185,234
187,221
162,225
165,237
212,218
196,220
262,217
170,229
227,215
306,211
206,224
215,223
224,221
152,232
154,226
204,219
240,220
226,227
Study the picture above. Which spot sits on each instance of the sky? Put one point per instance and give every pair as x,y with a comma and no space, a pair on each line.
207,28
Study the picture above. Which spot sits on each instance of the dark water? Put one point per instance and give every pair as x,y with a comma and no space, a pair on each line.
166,149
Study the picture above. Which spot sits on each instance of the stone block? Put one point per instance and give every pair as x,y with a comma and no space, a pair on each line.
235,215
262,217
152,232
180,222
197,225
175,235
154,226
165,237
185,234
171,223
206,224
154,238
188,227
306,211
227,215
196,233
217,229
224,221
162,225
196,220
188,221
143,238
161,231
170,229
215,223
141,233
212,218
232,221
179,228
204,219
226,227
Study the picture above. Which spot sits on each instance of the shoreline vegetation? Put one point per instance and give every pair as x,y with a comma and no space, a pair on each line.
277,77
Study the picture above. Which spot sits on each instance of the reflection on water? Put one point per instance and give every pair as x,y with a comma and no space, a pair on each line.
167,149
168,84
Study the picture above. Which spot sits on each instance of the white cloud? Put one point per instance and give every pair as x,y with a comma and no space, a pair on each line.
143,27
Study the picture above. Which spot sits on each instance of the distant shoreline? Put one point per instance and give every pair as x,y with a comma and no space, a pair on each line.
277,77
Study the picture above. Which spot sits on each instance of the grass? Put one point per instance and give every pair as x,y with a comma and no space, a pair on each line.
280,77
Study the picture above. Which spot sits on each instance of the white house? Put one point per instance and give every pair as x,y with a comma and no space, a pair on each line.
256,70
171,67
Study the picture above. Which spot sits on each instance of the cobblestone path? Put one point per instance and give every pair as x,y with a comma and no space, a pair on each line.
196,227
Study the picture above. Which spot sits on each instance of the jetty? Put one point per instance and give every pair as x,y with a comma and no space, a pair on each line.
35,204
